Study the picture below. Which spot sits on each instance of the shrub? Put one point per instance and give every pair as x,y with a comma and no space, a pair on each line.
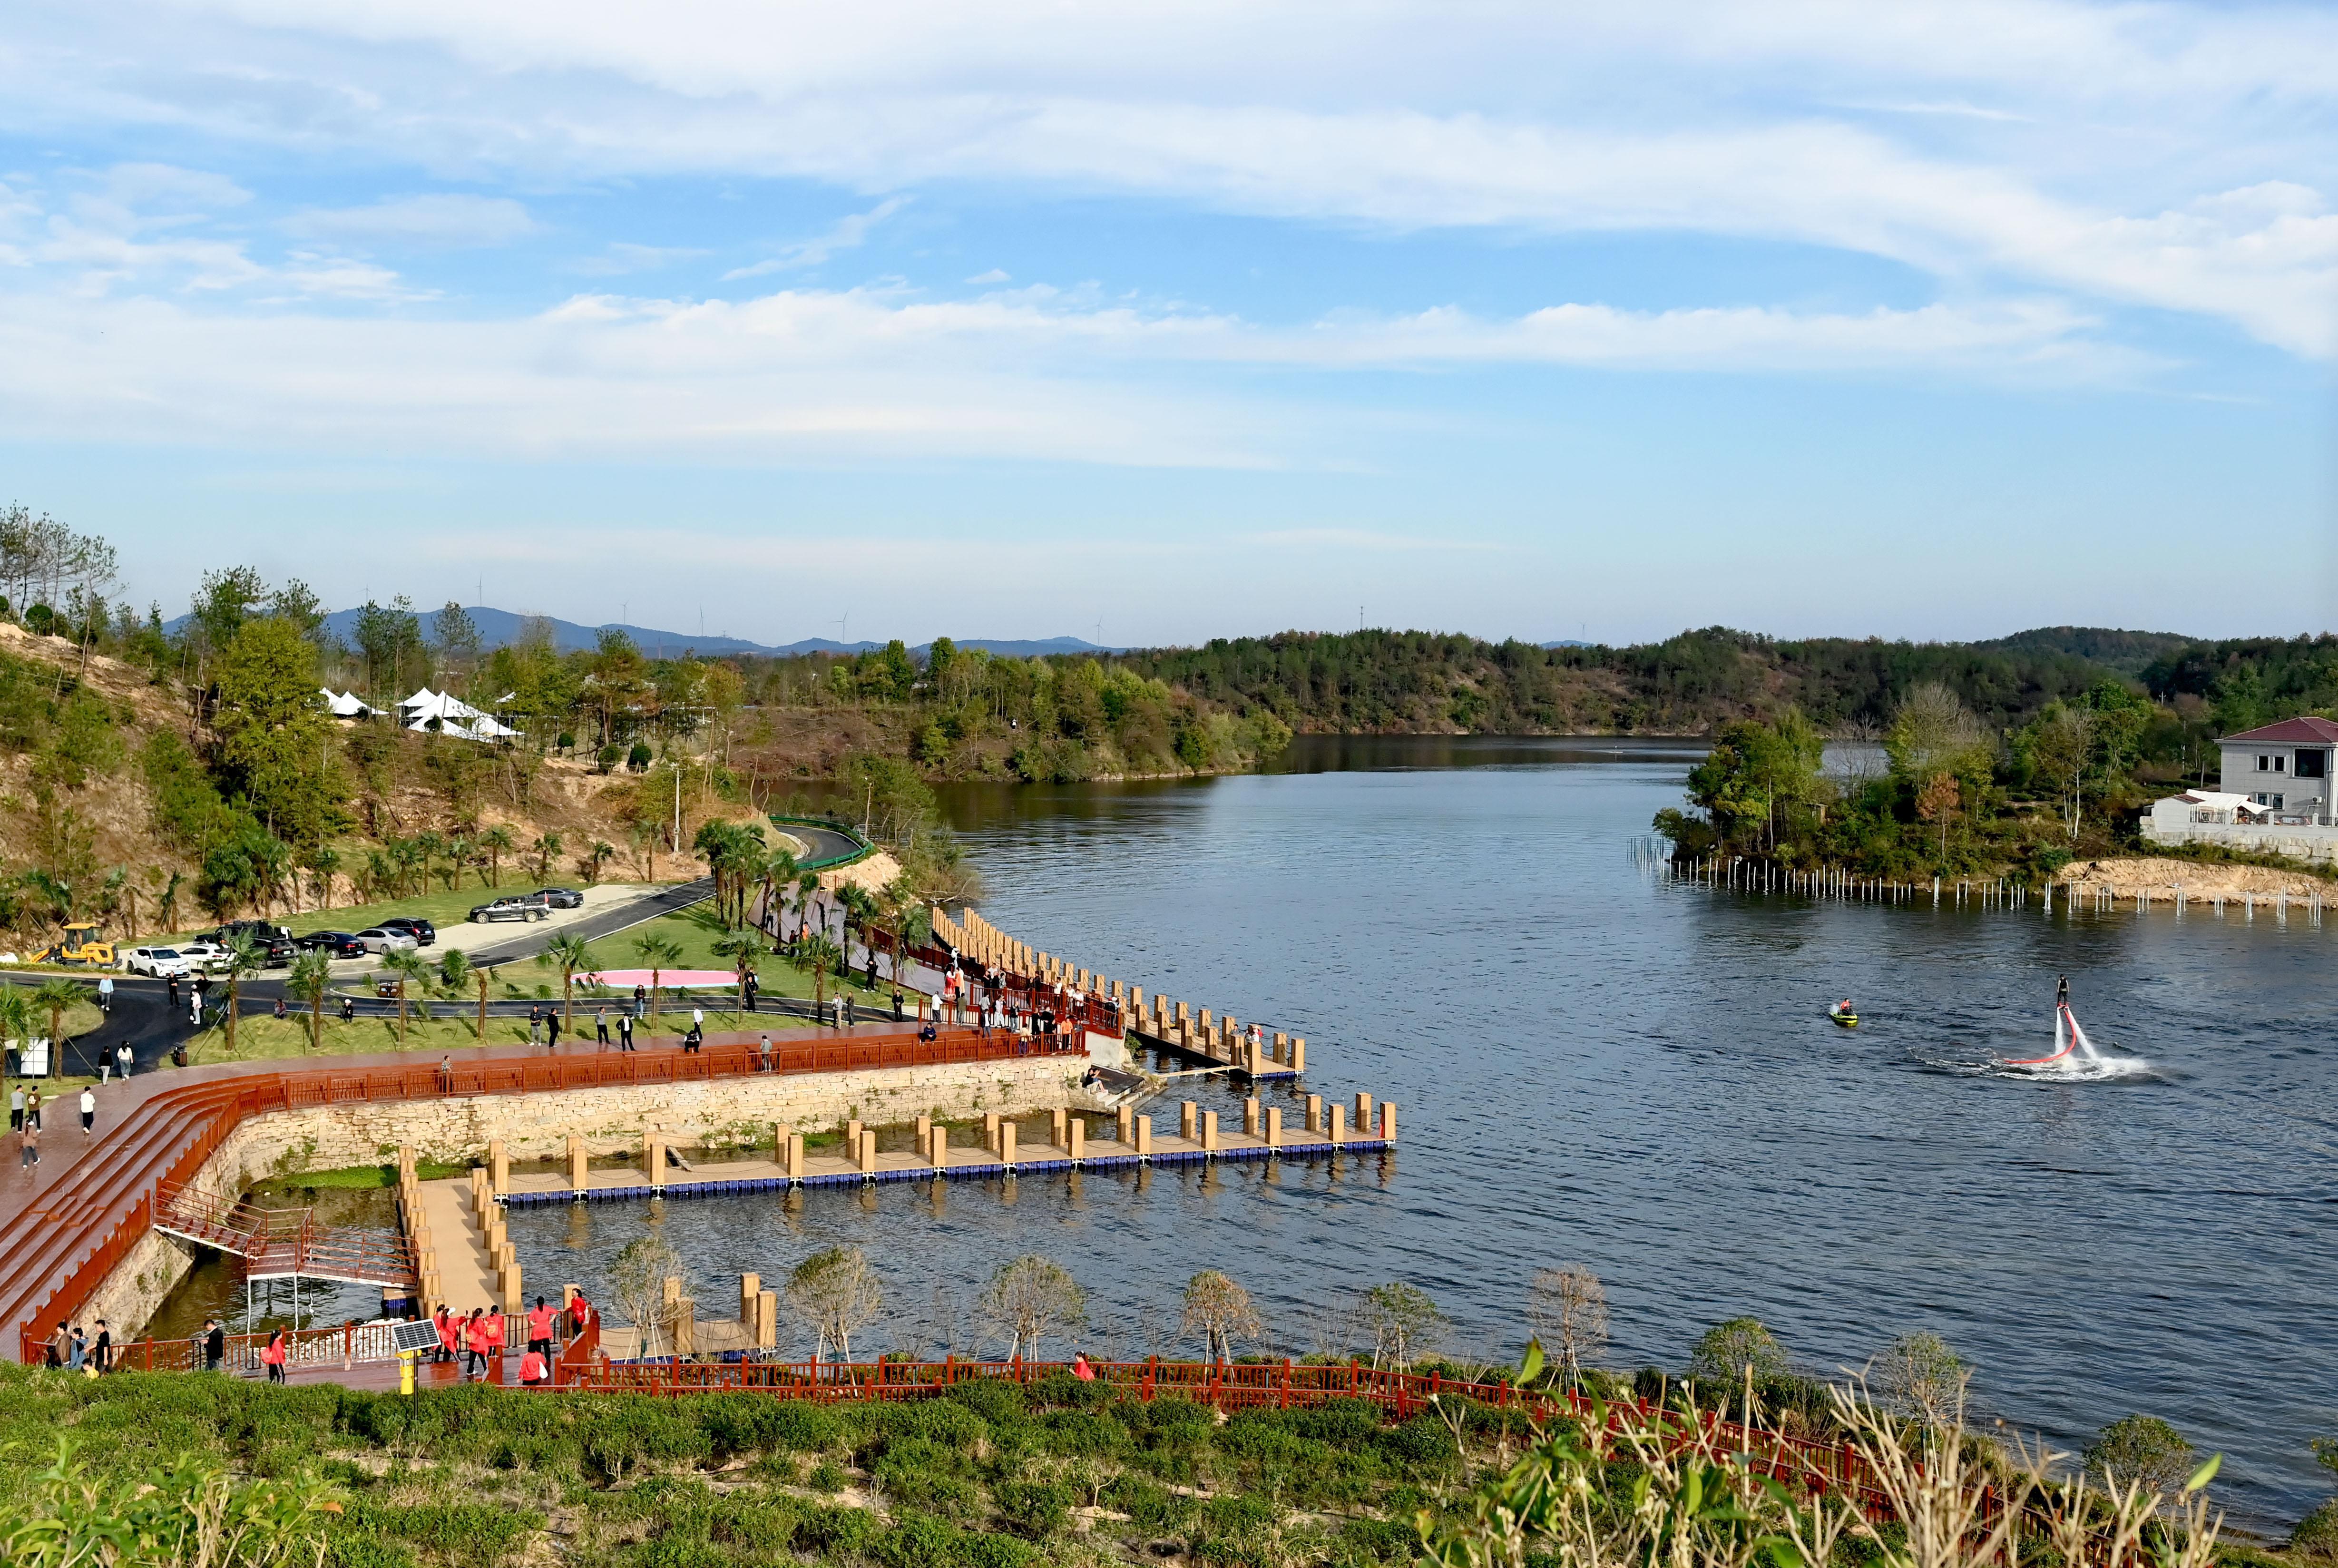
1381,1540
1339,1422
998,1404
769,1526
638,759
917,1540
627,1432
1152,1509
2316,1535
827,1477
838,1531
1078,1434
1037,1509
1727,1349
2141,1448
1423,1440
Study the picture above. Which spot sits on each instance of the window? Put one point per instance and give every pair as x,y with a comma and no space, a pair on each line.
2264,764
2311,764
2277,802
2280,763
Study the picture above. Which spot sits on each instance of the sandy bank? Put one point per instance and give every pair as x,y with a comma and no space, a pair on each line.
2158,877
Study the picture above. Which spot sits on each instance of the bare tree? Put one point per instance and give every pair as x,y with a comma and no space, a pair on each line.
1568,1310
1405,1324
1922,1379
1335,1324
836,1294
1219,1312
638,1282
1030,1298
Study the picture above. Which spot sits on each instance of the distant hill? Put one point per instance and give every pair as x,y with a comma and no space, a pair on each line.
497,627
2128,653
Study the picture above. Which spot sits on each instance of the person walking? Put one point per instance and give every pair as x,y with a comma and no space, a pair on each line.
494,1324
754,988
447,1073
552,1028
899,1016
31,1147
122,1060
448,1331
624,1031
88,1108
33,1111
539,1326
170,991
698,1018
475,1345
16,1109
272,1356
534,1368
534,1026
77,1350
60,1347
641,999
194,1008
102,1353
601,1029
836,1010
105,996
763,1054
214,1344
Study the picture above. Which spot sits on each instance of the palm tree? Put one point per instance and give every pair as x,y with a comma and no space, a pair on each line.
311,977
244,960
777,870
459,853
55,996
807,885
599,856
497,842
813,952
913,920
658,953
18,1015
858,909
546,848
481,976
568,953
166,903
747,948
405,855
432,846
322,861
406,966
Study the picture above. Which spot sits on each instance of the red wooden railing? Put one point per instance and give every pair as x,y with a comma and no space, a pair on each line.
50,1265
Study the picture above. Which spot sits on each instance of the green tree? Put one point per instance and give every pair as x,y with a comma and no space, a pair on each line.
657,954
497,842
244,960
1756,775
55,998
275,737
814,953
1727,1349
836,1294
407,966
2141,1448
310,979
598,856
568,953
238,868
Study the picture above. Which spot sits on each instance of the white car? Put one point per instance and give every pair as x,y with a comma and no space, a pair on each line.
377,940
157,962
203,957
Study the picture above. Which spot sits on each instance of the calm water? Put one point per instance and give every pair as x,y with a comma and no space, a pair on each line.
1596,1068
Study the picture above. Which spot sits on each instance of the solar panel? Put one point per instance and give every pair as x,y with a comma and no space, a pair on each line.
408,1337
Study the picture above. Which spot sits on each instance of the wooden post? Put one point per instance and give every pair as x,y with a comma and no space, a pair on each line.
938,1148
1273,1127
1126,1130
498,1167
795,1156
685,1326
1006,1144
852,1137
991,1124
925,1130
577,1165
1143,1129
1076,1145
867,1153
1249,1116
653,1151
1363,1122
1209,1132
1334,1126
767,1320
1314,1113
1056,1137
1387,1121
513,1300
1185,1115
750,1291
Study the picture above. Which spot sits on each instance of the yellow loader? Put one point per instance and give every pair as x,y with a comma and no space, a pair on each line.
80,946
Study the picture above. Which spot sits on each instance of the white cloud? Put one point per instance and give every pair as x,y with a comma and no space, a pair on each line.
996,275
846,233
443,221
620,258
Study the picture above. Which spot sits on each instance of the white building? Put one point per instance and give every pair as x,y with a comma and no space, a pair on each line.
2276,794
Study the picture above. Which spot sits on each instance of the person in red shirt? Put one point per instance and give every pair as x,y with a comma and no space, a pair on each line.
533,1369
580,1313
1081,1369
447,1333
272,1356
539,1326
475,1344
495,1322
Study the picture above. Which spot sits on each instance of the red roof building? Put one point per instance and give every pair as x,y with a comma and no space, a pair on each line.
2285,768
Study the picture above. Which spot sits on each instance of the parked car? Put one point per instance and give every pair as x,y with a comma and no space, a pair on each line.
380,938
203,957
157,962
332,944
423,933
560,897
523,908
274,941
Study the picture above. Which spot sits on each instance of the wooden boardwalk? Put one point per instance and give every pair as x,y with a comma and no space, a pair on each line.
65,1222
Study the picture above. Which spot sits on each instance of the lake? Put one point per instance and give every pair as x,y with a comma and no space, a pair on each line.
1601,1067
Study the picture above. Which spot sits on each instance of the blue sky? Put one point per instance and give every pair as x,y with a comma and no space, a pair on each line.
1539,319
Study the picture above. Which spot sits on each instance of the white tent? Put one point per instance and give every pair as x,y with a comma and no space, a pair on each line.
454,717
347,704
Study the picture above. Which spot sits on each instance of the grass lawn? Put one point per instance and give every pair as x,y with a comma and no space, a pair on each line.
695,931
441,909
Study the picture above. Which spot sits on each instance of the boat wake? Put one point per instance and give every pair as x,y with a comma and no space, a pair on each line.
2075,1058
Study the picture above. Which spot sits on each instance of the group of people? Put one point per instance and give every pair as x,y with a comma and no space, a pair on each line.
24,1121
477,1339
71,1349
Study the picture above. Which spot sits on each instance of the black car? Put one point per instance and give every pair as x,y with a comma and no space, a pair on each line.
423,933
529,908
332,944
560,897
274,943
